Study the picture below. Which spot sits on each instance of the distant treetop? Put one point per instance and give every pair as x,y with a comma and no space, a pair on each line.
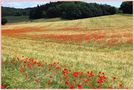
127,7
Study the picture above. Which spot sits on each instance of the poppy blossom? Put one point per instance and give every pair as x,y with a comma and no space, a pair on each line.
71,86
75,74
79,86
99,81
3,87
29,66
66,82
85,80
21,69
51,77
120,85
90,74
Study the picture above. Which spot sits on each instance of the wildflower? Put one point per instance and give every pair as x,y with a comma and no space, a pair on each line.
120,85
39,64
29,65
85,80
102,77
99,81
34,62
71,86
65,76
75,74
3,87
65,70
66,82
90,74
57,67
80,73
21,69
51,77
79,86
31,59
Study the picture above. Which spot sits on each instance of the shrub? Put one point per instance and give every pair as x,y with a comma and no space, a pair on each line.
4,21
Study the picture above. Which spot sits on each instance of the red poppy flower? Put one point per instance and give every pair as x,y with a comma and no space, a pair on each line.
102,77
29,66
80,73
90,74
51,77
99,81
57,67
85,80
65,71
75,74
39,64
3,87
71,86
120,85
21,69
79,86
66,82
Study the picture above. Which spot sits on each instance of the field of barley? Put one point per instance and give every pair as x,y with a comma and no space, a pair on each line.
84,53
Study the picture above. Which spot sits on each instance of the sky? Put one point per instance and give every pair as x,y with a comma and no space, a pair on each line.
33,3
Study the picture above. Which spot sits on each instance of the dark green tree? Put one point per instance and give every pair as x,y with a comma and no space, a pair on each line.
127,7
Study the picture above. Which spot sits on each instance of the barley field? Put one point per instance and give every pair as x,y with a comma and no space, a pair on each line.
78,47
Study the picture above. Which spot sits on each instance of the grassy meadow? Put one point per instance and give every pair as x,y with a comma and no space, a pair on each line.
99,44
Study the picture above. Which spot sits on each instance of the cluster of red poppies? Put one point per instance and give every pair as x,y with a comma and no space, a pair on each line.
58,72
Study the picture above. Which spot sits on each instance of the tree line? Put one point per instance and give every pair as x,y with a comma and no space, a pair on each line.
8,11
67,10
71,10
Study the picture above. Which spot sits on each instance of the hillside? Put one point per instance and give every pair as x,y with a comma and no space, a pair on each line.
89,23
98,44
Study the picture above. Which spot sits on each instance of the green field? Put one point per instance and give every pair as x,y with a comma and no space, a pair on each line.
99,44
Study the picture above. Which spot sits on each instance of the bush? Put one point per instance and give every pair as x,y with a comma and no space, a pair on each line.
4,21
127,7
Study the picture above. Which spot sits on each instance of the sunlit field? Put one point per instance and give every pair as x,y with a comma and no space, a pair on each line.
87,53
